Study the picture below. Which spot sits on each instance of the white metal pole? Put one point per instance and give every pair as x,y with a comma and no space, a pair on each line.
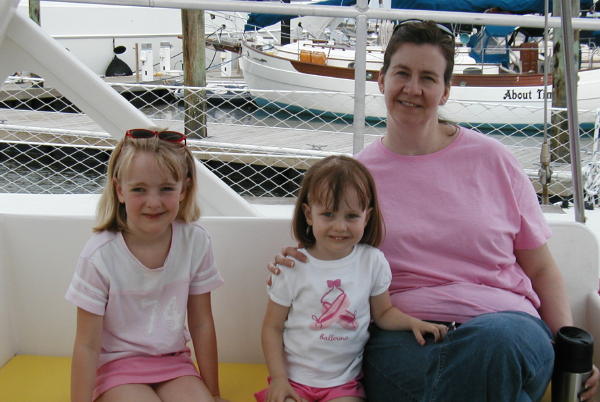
360,68
352,12
571,84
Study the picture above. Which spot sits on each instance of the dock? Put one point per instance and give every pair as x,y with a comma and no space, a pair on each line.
280,147
263,146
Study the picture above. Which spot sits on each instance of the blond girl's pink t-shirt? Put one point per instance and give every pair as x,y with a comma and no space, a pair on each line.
143,309
453,220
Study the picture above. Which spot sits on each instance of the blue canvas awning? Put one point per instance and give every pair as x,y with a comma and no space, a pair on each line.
257,21
479,6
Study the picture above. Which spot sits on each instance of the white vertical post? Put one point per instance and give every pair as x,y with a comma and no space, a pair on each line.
165,57
226,65
571,84
360,77
147,62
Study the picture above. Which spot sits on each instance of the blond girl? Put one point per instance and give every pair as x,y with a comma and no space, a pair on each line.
147,266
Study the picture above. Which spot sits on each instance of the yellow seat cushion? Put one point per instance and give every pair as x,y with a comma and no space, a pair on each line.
27,378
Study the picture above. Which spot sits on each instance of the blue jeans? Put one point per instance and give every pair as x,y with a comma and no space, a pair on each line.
504,357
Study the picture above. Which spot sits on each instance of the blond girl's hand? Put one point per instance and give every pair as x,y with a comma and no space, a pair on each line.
420,328
280,390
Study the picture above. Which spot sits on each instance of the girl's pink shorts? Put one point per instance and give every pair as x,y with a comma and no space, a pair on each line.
143,370
313,394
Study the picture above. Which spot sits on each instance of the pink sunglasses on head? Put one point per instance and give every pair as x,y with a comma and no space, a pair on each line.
170,136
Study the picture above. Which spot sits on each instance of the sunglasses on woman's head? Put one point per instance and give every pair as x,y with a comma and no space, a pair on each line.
441,27
170,136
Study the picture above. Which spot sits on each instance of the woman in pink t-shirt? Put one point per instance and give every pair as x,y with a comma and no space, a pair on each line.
466,242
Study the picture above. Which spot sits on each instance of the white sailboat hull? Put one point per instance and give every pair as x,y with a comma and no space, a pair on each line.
468,104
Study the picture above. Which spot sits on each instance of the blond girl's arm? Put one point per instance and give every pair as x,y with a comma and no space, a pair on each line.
388,317
272,343
202,330
86,349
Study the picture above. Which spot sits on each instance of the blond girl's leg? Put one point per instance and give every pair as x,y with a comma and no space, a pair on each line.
183,389
130,393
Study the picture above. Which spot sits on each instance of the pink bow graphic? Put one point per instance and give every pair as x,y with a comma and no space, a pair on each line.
335,283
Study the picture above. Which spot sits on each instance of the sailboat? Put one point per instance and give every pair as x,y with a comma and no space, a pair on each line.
492,74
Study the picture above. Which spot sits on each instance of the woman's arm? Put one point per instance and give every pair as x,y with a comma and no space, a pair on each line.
547,281
539,265
283,259
202,331
88,340
272,343
388,317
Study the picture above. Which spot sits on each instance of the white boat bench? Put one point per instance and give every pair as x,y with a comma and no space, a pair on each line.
37,326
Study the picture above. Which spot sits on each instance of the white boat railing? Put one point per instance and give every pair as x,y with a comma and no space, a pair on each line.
259,149
362,130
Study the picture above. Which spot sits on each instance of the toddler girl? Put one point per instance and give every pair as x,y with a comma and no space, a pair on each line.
147,265
317,318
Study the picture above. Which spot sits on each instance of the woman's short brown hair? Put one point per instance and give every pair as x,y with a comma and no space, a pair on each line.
422,33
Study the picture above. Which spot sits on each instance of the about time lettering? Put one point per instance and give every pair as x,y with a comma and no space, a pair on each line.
529,94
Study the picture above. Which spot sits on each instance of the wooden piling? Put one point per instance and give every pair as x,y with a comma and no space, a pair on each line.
194,73
559,134
34,11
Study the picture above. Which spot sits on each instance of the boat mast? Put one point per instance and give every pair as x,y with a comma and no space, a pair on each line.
559,142
285,34
545,172
571,68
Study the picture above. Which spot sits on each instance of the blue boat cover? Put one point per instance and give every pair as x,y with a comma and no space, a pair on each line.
486,46
478,6
257,21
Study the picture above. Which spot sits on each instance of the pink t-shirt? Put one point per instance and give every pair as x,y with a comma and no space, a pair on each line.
453,219
144,309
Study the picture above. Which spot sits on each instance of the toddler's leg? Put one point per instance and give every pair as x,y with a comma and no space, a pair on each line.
184,389
129,393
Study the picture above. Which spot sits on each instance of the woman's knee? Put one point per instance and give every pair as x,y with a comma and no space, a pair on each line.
513,334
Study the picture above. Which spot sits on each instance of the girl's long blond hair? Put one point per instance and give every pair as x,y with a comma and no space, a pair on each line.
174,158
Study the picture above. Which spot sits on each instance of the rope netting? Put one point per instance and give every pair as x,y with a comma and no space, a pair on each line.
253,140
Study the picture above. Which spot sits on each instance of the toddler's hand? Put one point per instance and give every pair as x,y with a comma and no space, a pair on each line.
280,390
420,328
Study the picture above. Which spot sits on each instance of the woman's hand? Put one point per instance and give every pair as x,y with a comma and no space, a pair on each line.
280,390
284,260
420,328
591,385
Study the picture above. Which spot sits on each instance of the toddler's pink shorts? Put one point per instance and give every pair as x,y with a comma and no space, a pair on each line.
143,370
313,394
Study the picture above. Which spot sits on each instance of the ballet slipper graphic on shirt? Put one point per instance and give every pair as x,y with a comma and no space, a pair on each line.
334,308
348,320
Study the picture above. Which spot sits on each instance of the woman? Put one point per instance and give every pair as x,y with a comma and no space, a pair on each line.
466,241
